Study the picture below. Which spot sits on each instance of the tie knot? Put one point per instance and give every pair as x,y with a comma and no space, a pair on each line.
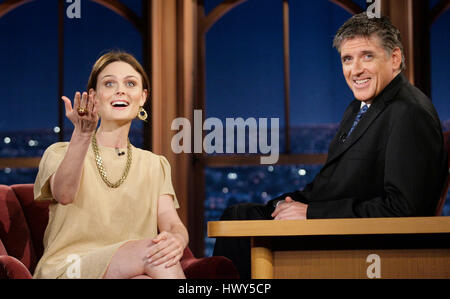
358,118
364,109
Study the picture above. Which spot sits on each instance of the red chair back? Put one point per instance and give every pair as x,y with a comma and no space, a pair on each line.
36,214
14,230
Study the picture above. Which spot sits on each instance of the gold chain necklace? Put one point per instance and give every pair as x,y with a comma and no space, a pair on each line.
101,168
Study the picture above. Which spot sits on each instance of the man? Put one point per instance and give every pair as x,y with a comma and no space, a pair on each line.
387,158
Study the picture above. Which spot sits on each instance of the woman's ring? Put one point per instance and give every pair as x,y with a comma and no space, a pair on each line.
81,111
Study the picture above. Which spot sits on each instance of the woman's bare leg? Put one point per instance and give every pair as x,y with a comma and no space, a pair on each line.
160,271
141,277
130,261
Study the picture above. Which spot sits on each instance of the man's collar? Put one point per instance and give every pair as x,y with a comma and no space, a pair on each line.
388,93
364,104
385,96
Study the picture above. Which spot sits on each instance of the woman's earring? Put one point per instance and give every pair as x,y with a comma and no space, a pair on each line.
142,114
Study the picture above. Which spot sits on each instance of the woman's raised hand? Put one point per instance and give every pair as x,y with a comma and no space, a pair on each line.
83,115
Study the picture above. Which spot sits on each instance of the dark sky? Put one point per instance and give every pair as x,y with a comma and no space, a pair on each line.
250,38
29,47
244,60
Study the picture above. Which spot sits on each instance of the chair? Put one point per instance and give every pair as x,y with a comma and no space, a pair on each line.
444,192
22,225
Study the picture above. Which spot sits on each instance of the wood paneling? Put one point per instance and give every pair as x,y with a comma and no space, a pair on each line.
10,5
349,6
261,259
411,17
415,247
315,227
218,12
438,9
19,162
287,77
122,10
352,264
173,76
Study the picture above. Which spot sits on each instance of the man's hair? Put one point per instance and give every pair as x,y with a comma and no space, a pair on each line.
360,25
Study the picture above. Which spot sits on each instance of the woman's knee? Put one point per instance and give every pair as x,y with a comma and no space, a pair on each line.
129,260
161,271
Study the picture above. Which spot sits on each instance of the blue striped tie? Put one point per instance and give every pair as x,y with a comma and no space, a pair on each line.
358,118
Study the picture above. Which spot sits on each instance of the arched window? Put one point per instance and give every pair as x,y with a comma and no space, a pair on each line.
439,48
273,59
29,85
45,54
98,31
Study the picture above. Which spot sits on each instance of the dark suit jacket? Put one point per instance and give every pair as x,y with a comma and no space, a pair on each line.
393,163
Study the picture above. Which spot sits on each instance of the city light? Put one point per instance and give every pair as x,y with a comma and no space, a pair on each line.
7,140
232,176
32,142
302,172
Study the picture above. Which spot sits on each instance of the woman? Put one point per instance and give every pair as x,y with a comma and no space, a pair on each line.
109,199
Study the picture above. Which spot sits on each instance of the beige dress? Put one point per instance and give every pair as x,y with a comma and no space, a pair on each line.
82,237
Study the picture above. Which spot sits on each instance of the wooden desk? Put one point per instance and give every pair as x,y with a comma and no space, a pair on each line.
344,248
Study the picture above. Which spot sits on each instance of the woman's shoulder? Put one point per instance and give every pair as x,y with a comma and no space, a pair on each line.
58,147
53,155
148,155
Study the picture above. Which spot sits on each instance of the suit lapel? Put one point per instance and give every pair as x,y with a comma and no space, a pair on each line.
378,105
362,126
346,123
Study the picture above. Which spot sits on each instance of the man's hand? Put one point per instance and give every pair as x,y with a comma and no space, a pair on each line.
290,210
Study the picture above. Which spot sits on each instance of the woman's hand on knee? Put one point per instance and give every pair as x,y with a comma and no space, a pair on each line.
167,248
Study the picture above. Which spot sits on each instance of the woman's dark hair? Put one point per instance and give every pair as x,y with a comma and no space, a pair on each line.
114,56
